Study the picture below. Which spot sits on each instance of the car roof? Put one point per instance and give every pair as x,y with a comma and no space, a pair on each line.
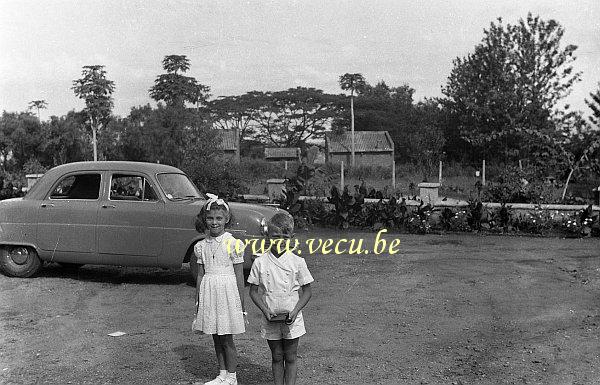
116,165
43,184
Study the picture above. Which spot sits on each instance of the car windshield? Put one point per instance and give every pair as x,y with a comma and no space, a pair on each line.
178,187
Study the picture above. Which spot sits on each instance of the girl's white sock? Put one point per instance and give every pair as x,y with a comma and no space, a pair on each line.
232,375
223,373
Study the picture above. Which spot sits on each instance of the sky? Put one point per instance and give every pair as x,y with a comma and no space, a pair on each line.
240,46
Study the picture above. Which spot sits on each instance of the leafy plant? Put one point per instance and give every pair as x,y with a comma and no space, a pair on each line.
475,213
389,215
502,217
418,221
583,223
539,221
344,205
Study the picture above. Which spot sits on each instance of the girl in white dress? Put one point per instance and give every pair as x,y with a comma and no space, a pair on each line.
219,287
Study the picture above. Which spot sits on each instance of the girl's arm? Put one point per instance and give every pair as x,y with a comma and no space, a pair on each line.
302,301
257,299
238,268
198,280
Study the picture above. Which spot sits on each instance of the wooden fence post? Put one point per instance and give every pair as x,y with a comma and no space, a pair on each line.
393,175
342,177
440,173
483,174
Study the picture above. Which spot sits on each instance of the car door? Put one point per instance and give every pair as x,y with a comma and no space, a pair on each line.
130,221
67,217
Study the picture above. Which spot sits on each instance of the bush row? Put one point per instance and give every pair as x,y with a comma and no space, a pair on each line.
343,211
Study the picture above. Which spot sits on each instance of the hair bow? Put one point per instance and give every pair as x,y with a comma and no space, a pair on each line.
212,198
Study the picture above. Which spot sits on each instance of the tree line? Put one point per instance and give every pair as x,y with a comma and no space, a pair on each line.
504,102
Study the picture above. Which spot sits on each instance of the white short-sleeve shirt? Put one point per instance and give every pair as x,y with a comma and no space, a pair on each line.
277,277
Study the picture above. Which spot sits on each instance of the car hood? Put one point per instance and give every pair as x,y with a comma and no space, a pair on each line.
236,207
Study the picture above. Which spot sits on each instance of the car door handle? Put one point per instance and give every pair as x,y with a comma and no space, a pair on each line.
109,206
47,204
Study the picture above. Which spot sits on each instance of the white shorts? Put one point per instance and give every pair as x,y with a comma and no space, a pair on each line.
281,330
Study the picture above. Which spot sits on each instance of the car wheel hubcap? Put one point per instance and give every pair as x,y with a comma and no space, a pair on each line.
19,255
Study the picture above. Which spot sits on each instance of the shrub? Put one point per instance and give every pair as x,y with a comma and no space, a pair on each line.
539,222
217,175
519,186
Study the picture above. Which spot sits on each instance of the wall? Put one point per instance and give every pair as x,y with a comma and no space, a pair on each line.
363,159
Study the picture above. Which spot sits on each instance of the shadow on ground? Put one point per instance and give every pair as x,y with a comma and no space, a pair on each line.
201,363
119,275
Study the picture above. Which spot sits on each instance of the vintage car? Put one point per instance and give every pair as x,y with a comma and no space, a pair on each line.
112,213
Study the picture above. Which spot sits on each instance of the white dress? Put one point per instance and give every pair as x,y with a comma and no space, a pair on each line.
219,304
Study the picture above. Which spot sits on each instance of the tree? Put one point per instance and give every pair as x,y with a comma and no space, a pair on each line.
20,140
594,105
577,152
237,112
96,91
289,118
65,139
38,104
515,77
176,89
354,83
427,148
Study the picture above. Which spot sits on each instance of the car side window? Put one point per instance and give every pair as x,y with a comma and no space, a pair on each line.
131,188
80,186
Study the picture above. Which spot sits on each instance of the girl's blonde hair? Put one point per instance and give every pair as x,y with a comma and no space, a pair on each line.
200,222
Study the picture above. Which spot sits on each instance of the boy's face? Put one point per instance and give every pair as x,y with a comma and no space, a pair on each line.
278,238
215,221
274,232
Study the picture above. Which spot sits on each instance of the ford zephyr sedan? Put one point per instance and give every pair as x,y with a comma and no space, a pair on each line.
111,213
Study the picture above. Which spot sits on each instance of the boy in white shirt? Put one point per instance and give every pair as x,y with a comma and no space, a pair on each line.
280,287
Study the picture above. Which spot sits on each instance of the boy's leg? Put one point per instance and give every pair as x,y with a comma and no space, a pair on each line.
276,347
220,351
230,352
290,353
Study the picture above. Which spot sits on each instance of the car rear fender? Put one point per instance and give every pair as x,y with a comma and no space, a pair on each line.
190,248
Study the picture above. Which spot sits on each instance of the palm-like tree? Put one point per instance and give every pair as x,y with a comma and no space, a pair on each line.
96,90
38,104
354,83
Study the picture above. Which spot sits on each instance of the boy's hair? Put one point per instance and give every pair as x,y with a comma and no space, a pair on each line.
200,222
283,221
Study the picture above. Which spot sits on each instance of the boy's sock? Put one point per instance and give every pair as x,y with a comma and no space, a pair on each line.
223,374
232,375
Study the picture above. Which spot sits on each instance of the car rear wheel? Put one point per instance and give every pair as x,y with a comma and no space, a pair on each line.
194,267
19,261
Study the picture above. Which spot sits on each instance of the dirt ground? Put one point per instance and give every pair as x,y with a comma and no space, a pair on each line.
447,309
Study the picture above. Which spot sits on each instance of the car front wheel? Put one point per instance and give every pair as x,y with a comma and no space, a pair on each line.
19,261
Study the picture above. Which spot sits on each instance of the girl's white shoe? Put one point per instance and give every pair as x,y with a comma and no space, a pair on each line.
217,381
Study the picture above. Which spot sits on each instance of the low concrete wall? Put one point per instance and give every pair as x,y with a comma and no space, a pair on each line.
449,203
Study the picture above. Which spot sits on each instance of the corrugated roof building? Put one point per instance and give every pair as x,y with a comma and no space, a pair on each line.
230,143
371,148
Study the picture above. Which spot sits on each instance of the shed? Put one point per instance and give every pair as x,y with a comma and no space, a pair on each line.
371,148
282,153
230,143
